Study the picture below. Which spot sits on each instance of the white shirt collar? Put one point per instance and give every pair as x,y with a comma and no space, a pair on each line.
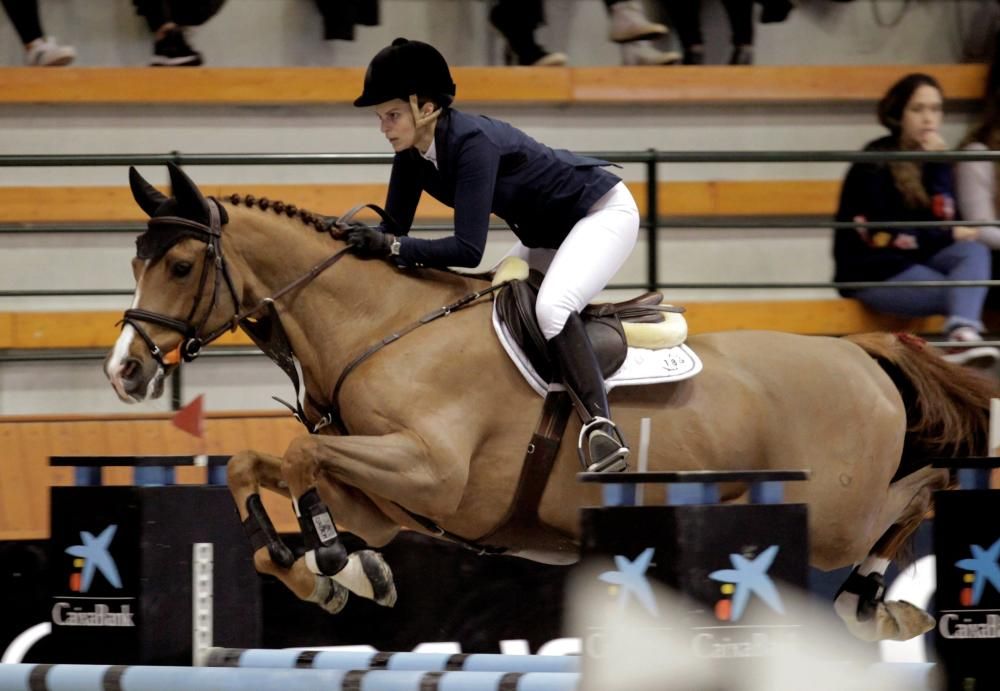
431,154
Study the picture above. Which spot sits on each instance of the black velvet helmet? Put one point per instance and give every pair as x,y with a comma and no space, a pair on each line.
405,68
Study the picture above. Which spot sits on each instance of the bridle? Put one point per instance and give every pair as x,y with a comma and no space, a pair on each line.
193,339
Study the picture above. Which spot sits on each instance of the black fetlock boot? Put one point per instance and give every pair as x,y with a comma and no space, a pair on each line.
581,373
325,554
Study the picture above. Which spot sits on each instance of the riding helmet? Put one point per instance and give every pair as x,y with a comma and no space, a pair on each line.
404,68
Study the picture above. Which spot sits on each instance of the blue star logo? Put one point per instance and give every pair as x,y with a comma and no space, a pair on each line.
750,576
94,552
631,578
985,563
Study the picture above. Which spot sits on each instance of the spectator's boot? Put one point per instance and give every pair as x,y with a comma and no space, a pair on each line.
46,52
629,23
173,50
601,445
645,53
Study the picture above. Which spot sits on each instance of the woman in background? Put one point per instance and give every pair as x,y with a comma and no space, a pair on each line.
909,191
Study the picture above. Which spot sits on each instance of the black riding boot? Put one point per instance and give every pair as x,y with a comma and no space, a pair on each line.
605,446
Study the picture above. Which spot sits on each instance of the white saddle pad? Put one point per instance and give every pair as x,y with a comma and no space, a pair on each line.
641,366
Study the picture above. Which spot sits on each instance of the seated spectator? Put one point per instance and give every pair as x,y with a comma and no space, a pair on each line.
907,191
39,50
976,181
167,19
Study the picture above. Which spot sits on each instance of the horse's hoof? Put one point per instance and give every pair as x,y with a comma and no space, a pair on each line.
329,595
380,576
909,621
895,620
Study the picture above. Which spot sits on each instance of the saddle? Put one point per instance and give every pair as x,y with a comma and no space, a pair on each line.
515,306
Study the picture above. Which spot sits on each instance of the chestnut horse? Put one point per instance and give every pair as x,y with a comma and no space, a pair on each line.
438,420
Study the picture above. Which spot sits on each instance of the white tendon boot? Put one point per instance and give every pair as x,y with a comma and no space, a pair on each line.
368,575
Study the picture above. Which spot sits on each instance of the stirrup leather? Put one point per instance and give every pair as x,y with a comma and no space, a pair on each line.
602,432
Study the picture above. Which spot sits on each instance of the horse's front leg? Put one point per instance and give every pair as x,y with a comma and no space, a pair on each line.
315,490
247,472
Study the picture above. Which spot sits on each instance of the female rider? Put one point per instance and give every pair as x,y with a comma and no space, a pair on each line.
574,220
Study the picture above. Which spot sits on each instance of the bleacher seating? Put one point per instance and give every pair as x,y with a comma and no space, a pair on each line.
522,85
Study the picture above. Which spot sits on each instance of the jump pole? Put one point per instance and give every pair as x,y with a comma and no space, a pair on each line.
27,677
425,662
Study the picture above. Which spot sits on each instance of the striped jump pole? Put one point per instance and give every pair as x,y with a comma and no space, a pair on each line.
426,662
25,677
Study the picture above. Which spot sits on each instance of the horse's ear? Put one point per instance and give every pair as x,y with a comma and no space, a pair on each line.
146,196
190,201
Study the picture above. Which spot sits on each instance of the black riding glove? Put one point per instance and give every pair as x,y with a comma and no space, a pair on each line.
369,242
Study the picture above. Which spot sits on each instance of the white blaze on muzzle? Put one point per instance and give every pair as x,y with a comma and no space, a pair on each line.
116,361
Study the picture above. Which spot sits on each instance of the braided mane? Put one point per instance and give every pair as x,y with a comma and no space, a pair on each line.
322,224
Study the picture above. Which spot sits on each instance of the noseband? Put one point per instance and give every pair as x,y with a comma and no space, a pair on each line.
193,341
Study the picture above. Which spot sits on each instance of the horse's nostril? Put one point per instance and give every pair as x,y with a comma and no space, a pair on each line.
130,368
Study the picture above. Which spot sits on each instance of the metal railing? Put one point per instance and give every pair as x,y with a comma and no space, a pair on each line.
652,222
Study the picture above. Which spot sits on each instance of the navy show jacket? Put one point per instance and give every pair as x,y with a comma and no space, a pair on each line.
485,166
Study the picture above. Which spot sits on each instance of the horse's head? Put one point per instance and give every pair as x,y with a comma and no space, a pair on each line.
184,295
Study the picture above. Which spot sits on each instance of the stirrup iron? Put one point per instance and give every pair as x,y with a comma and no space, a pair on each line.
613,458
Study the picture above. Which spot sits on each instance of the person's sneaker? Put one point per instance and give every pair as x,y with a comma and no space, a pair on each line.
972,355
173,51
645,53
46,52
629,23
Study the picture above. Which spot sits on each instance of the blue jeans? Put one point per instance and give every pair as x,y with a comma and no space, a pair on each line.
962,261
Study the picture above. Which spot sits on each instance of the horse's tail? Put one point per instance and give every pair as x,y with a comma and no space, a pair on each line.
947,406
947,415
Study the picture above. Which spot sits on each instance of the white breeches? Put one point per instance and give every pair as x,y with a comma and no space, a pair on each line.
586,261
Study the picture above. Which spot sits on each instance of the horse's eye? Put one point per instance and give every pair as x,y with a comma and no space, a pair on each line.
181,269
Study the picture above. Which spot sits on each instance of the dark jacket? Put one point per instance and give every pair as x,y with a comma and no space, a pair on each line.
869,193
485,166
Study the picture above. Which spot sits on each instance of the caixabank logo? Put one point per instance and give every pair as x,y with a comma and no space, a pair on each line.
748,580
747,577
978,571
93,560
630,581
93,556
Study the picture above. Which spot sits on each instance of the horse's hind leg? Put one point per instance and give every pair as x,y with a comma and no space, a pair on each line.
860,600
247,472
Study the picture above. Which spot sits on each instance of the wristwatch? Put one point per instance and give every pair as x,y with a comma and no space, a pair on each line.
394,246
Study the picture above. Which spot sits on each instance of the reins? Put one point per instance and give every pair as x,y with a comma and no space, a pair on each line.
332,415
